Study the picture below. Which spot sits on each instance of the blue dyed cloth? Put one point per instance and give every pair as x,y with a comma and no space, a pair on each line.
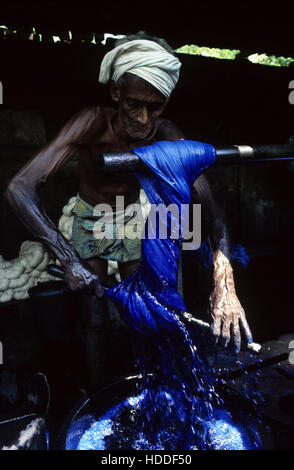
148,299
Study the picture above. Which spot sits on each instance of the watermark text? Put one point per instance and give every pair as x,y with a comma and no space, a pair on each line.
155,221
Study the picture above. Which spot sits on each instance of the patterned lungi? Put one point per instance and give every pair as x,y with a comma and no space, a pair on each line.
111,235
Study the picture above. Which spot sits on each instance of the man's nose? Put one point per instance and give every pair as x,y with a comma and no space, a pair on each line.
143,117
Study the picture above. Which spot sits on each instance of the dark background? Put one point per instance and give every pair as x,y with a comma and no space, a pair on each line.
222,102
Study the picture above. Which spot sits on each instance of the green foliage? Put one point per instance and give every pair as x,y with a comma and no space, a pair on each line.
209,51
232,53
270,60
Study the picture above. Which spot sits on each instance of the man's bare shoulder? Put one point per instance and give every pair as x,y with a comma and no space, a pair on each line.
167,130
90,124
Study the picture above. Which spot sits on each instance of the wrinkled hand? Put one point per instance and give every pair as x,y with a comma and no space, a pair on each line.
79,275
228,315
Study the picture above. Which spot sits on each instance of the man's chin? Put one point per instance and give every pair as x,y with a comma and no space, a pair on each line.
139,134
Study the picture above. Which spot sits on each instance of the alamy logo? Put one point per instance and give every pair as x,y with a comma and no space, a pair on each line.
291,94
152,221
1,93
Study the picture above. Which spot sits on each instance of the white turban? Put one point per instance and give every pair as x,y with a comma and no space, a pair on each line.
143,58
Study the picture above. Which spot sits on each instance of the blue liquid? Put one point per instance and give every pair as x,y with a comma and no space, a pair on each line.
119,428
175,408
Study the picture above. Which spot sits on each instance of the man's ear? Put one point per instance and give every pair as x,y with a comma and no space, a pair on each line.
114,91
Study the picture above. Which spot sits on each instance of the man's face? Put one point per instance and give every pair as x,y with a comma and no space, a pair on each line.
140,104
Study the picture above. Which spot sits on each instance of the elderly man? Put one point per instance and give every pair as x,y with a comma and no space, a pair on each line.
142,72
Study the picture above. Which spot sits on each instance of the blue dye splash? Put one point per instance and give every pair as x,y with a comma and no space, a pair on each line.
224,434
177,406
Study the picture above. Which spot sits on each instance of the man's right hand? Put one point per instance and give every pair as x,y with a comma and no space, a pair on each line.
79,276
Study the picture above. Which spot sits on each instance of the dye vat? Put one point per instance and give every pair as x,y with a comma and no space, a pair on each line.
116,418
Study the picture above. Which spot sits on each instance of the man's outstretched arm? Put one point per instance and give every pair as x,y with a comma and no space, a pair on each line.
22,195
227,312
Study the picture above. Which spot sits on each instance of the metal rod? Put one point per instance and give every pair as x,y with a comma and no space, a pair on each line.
237,154
234,374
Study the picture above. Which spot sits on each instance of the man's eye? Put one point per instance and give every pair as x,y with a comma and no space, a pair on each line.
155,106
133,104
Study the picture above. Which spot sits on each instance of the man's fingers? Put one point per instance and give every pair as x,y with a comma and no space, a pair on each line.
97,288
216,328
236,335
245,327
226,332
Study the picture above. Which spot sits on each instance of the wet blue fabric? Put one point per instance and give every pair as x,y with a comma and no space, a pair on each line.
148,299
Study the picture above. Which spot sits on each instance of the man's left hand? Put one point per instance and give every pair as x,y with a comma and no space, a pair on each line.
227,313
